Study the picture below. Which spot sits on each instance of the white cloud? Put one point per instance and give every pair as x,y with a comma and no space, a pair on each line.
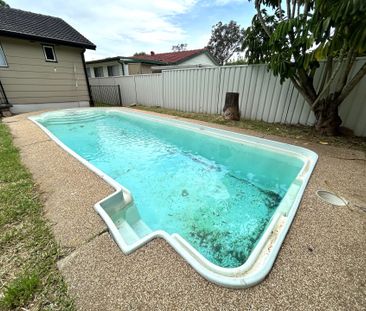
118,27
225,2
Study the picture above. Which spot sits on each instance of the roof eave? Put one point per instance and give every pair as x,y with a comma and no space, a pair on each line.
48,40
147,61
108,59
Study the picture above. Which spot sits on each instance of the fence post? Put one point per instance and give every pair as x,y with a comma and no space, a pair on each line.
119,95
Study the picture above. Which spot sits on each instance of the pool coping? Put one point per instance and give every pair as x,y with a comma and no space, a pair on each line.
262,257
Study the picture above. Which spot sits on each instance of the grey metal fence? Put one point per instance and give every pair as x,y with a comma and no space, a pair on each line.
261,95
106,95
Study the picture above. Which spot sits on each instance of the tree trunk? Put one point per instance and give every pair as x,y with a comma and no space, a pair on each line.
231,108
328,120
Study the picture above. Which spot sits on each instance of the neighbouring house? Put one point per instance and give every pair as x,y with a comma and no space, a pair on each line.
42,62
149,63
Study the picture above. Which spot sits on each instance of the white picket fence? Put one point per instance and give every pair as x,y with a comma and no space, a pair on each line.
261,96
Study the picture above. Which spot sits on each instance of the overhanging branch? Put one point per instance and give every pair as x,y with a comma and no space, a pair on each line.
301,90
351,85
329,82
260,17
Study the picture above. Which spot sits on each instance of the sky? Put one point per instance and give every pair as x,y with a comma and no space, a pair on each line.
123,27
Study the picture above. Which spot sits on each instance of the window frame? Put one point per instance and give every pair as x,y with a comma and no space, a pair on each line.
44,46
3,53
102,71
110,67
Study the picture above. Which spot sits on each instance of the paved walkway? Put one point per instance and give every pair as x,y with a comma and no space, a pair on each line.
321,266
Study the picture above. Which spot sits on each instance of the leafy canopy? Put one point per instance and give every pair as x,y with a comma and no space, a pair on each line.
293,36
179,47
304,32
226,39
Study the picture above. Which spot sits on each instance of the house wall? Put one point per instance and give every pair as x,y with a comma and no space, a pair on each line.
105,65
201,59
29,81
139,68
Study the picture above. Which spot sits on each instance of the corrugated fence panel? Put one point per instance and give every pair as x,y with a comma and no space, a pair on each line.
149,89
193,90
353,109
261,96
128,89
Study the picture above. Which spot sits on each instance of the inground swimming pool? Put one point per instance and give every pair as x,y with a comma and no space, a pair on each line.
222,200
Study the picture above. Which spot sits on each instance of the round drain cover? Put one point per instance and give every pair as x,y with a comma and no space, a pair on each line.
331,198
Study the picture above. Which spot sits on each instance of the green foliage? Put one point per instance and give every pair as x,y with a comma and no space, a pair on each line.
3,4
226,39
297,35
256,42
139,53
339,23
179,47
239,61
20,291
310,32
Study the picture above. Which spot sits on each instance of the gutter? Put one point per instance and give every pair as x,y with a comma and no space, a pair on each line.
91,101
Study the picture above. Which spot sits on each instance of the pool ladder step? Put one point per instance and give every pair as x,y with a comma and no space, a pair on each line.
131,233
141,228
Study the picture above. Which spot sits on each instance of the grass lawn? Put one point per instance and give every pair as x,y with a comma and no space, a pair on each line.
29,279
298,132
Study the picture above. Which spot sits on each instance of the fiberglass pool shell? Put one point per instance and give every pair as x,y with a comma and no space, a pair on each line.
129,229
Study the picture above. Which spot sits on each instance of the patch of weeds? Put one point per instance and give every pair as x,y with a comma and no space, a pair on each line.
20,291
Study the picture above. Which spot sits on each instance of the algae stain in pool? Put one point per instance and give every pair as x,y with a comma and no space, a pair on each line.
216,194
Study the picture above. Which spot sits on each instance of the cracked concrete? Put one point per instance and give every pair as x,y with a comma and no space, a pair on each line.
321,266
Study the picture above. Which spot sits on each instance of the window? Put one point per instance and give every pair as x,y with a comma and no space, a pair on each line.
49,53
3,62
88,72
113,71
98,72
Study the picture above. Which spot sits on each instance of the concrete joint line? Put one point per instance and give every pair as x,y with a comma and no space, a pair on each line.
74,250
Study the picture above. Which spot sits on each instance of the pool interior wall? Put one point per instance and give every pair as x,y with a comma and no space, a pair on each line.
195,186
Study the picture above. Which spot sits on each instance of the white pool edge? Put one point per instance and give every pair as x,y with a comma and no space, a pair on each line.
262,258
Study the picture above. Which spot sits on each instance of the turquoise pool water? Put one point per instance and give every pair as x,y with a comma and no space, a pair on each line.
217,194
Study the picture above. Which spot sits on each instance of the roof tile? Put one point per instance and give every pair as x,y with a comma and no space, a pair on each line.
170,58
38,26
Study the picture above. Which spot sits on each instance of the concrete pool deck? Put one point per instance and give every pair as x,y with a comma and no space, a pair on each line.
321,265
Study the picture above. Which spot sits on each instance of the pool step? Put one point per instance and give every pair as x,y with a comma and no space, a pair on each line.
141,228
127,232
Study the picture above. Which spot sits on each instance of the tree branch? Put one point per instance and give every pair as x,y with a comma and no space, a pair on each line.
293,8
307,83
348,66
288,8
351,85
325,89
260,17
280,8
301,90
327,72
306,9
